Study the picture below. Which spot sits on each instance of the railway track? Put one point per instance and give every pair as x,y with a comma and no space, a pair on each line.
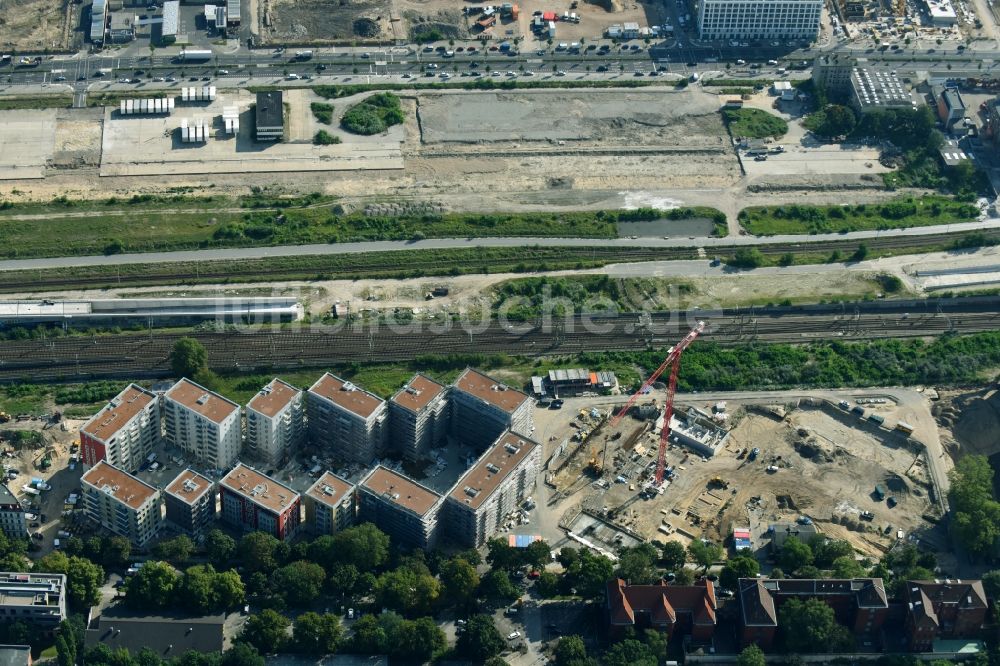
262,349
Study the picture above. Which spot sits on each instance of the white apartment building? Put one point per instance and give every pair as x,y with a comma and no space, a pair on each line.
346,420
203,424
329,504
12,520
482,408
275,423
492,488
759,19
418,417
118,501
36,598
124,432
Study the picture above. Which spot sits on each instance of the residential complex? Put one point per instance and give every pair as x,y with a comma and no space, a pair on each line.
33,597
418,417
190,502
669,608
399,506
759,19
494,487
124,432
329,504
943,609
12,519
275,423
117,501
202,423
252,501
483,408
346,420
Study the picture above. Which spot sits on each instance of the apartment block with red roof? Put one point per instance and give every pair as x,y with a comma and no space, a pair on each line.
124,432
118,501
202,423
668,608
330,504
483,408
275,423
346,420
418,416
946,609
253,501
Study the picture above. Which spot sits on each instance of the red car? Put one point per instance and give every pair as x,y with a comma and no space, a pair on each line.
533,574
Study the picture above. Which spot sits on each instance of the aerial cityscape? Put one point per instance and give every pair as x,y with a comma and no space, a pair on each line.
570,332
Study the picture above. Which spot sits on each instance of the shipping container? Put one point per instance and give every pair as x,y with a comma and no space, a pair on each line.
904,427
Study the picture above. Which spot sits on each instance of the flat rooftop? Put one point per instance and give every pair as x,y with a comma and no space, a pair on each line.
269,111
491,469
876,87
199,399
189,486
346,395
329,489
31,589
121,485
398,489
490,390
259,489
273,398
117,413
417,393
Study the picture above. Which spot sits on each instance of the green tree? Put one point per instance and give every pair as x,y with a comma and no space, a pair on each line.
258,551
480,640
240,654
704,554
194,589
267,631
318,634
810,626
407,591
421,639
991,583
176,551
547,584
747,257
536,554
300,583
501,555
795,554
152,587
741,566
846,567
833,120
683,576
364,546
751,655
228,590
674,556
497,587
115,551
220,548
369,636
657,642
83,577
638,565
460,580
188,358
589,573
825,550
570,650
630,652
975,521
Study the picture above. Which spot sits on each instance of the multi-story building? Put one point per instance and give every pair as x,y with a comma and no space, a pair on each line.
269,116
483,408
492,488
329,504
759,19
418,417
190,502
950,105
275,424
36,598
346,420
202,423
252,501
943,609
859,604
124,432
117,501
400,507
12,520
668,608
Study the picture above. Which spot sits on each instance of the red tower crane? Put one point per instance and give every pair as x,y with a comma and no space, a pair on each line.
672,361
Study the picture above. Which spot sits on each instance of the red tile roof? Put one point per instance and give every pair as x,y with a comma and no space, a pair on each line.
417,393
490,390
122,409
663,602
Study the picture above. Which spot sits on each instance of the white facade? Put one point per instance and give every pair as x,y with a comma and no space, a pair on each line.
124,432
759,19
203,424
483,408
346,420
121,503
38,598
275,424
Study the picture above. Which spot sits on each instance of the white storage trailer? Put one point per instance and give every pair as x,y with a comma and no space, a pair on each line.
131,107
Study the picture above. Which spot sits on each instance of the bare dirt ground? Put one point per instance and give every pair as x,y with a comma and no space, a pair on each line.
595,17
969,421
36,25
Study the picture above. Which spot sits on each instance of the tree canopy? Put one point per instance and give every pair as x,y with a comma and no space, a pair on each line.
480,640
704,554
810,626
188,358
975,521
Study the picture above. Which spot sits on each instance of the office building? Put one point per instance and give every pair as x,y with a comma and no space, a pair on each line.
98,21
275,423
38,598
12,520
492,488
203,424
122,27
418,417
483,408
943,609
190,503
124,432
877,90
117,501
329,504
860,604
689,609
759,19
170,26
400,507
252,501
269,115
346,420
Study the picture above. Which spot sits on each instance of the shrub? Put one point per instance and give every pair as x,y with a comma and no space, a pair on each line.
324,138
373,115
323,112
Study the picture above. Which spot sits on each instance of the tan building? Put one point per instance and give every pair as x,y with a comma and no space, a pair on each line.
275,423
400,507
482,408
190,502
203,424
418,417
346,420
124,432
119,502
492,488
330,504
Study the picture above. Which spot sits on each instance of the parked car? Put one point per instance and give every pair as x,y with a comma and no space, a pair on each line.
513,635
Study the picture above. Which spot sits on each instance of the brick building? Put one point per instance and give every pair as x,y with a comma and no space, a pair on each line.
124,432
943,609
252,501
668,608
483,408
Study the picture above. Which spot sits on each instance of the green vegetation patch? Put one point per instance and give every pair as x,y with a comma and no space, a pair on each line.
896,214
737,83
754,123
36,102
527,298
833,120
324,138
323,112
374,115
